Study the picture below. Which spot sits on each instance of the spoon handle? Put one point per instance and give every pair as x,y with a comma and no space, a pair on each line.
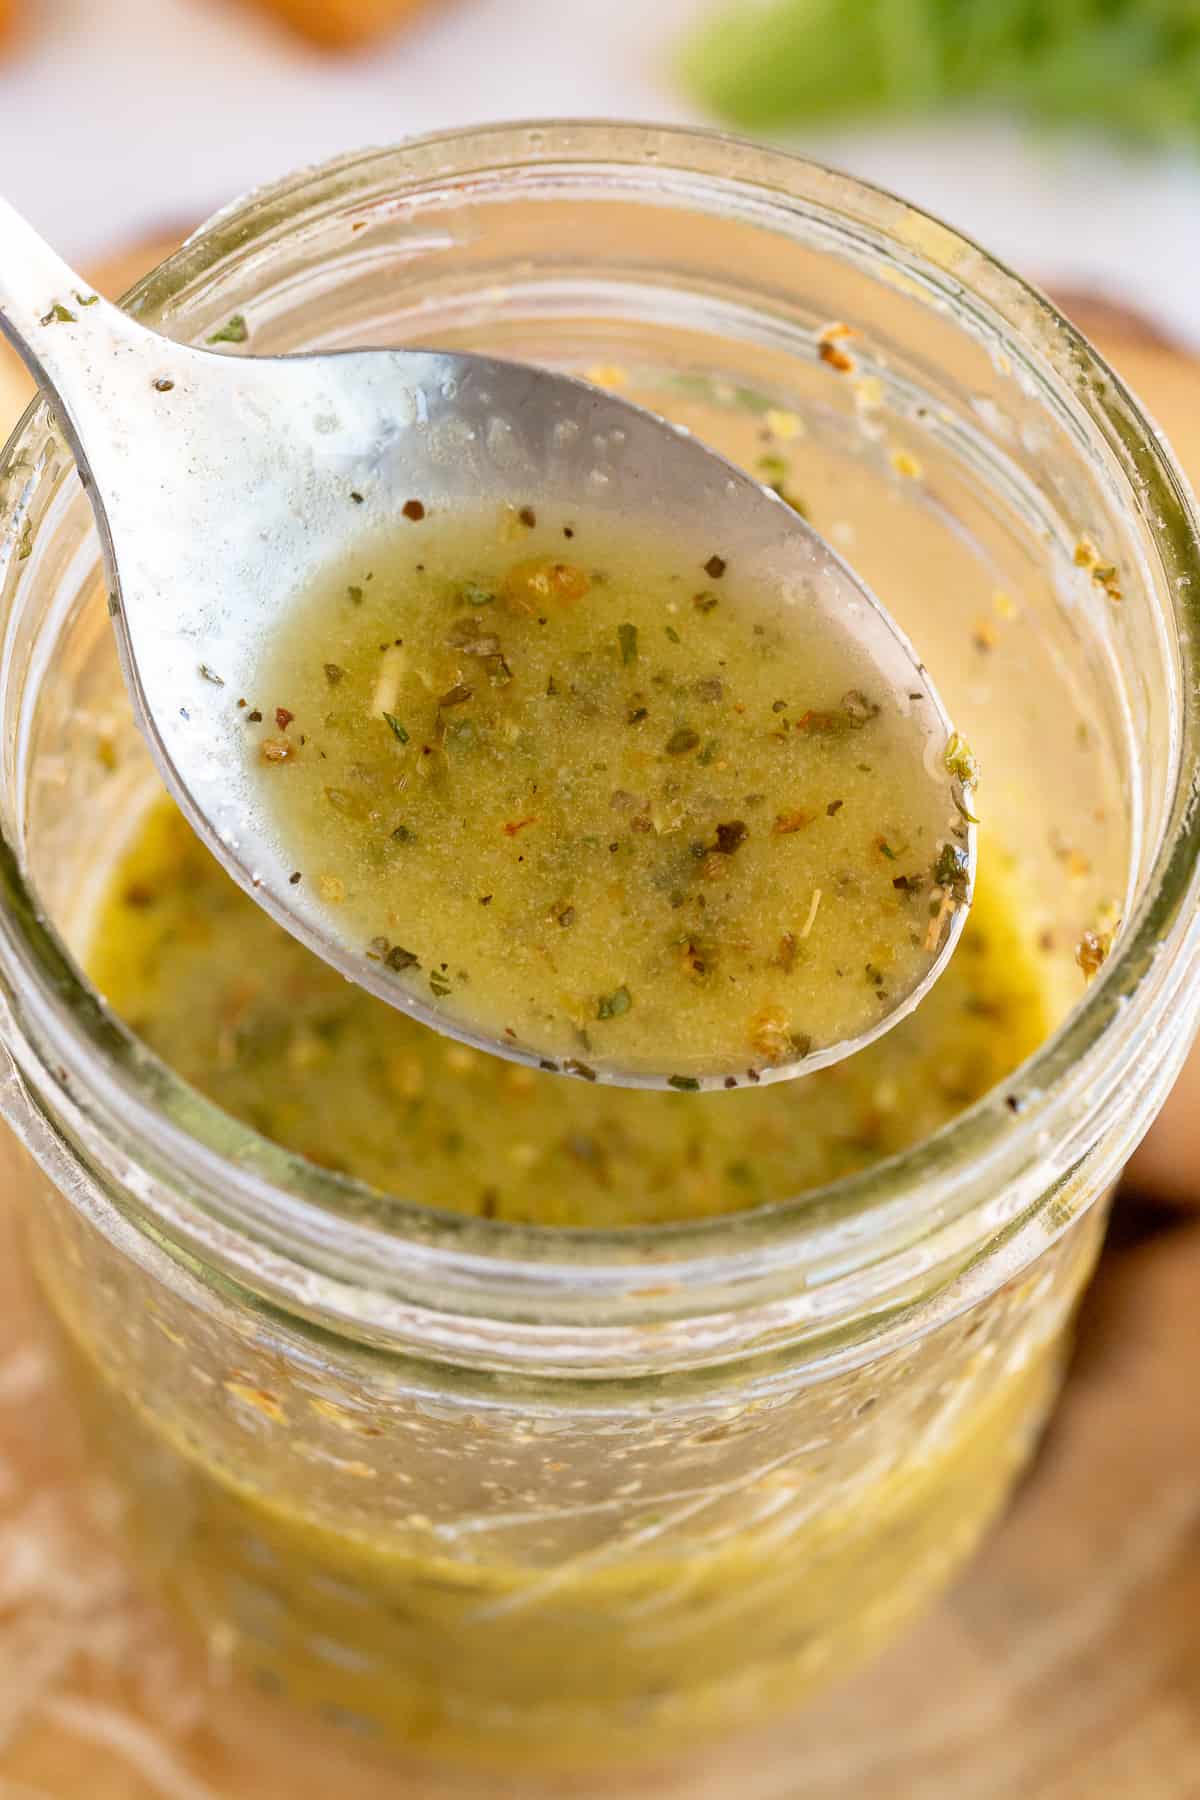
73,341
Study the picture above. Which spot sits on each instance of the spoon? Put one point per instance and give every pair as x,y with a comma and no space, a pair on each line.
222,482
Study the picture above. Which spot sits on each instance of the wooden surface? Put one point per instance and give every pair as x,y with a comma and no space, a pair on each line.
1065,1666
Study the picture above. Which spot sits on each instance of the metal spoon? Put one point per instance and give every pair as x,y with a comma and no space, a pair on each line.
222,483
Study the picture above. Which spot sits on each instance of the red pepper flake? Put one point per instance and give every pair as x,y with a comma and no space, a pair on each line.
715,567
254,718
514,825
283,717
818,723
527,517
786,823
414,510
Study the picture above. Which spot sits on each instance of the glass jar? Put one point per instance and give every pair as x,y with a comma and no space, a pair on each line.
508,1501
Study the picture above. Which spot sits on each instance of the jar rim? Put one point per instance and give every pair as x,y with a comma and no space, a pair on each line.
926,1210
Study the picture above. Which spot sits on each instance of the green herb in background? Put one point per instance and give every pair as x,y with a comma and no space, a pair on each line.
1129,66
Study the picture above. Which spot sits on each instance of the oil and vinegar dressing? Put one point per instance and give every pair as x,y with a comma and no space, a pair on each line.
622,813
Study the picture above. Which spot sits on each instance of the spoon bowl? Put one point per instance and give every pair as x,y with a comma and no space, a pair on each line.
223,483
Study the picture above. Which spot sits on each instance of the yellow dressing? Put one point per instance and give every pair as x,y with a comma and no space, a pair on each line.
618,812
282,1041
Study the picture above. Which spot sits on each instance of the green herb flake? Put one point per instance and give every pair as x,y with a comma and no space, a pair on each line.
708,752
672,634
397,729
474,595
398,958
232,332
627,637
960,760
611,1006
951,868
334,673
439,985
354,595
87,299
684,1084
58,315
681,740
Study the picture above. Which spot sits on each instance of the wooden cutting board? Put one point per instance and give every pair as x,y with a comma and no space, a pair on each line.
1064,1666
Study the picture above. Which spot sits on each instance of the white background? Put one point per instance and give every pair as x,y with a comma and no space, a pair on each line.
119,117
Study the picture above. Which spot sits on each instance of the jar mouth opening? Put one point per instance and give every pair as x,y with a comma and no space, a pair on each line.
83,1051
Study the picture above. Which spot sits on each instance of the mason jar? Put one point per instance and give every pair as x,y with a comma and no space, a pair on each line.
513,1506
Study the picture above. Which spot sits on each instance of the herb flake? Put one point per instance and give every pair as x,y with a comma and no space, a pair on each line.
233,331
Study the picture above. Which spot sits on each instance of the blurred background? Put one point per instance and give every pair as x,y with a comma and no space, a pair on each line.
1062,133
